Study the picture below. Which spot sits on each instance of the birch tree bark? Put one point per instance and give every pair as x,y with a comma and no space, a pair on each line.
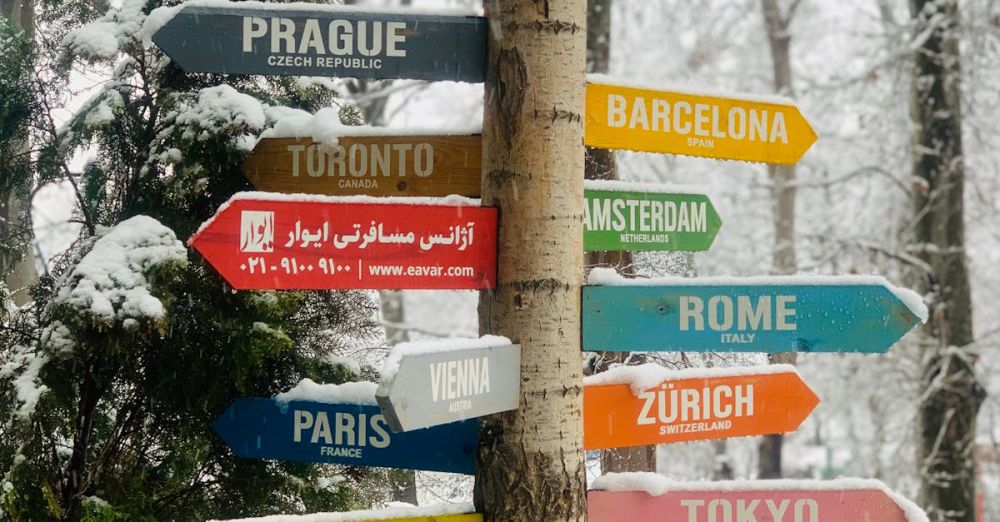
951,395
531,461
783,194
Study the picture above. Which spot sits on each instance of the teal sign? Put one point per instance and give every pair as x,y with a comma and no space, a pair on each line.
648,221
734,317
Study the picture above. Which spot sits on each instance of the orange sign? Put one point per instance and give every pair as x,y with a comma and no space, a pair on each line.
691,405
734,128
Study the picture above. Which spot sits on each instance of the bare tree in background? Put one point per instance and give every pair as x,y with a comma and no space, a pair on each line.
951,395
783,203
531,460
600,164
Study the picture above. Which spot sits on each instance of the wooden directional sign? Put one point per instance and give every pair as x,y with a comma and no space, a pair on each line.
261,241
354,434
647,221
368,165
733,128
846,500
325,41
438,387
693,405
387,517
767,314
469,517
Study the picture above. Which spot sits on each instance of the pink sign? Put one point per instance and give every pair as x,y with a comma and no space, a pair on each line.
765,503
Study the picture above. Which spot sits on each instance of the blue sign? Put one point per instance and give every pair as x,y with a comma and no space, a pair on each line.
352,434
866,318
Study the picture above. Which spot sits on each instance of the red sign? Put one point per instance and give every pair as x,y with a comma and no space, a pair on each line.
272,242
760,501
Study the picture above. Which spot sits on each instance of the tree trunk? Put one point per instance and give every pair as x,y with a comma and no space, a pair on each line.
783,203
18,265
531,461
600,164
76,473
951,395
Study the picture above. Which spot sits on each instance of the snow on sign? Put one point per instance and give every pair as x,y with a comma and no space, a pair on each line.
648,404
260,241
428,384
342,433
451,512
644,217
733,127
368,165
648,497
305,39
750,314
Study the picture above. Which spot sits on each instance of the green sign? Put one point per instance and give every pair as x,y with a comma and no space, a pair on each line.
648,221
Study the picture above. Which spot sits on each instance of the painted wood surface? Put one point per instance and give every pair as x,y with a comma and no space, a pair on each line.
368,165
667,122
353,434
437,388
334,42
772,501
744,318
266,242
617,220
682,410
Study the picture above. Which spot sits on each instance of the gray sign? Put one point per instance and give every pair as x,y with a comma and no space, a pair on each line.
325,42
442,387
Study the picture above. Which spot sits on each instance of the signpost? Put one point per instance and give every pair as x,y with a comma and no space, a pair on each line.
689,405
368,165
621,116
325,41
439,386
353,434
844,500
757,314
260,241
642,217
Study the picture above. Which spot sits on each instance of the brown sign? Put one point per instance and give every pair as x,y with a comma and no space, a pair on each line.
372,166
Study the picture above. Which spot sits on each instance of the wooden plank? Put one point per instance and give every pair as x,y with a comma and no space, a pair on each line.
845,500
274,242
758,314
690,405
372,166
746,128
626,219
464,384
342,433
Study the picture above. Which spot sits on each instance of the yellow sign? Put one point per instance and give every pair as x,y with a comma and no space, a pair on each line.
645,120
439,518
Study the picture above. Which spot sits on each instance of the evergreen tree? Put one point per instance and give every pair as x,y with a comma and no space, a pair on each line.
110,379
